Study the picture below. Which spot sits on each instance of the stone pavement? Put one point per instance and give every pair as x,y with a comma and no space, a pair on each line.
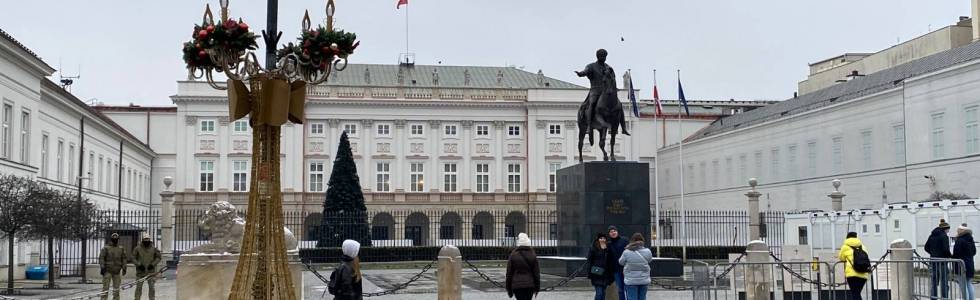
474,287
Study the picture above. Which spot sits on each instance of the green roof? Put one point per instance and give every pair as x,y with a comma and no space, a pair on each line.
448,77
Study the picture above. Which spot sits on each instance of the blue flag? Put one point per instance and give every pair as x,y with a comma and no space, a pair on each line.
680,95
632,95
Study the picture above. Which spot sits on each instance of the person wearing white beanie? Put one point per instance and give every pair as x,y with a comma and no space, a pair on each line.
345,281
523,240
523,274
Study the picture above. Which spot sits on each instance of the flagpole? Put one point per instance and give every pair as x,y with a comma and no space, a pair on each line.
656,167
406,29
680,134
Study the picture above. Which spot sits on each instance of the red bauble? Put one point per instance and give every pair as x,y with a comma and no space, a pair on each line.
202,54
243,26
203,34
231,24
210,28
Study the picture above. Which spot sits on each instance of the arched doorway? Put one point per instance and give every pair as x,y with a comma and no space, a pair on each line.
417,229
483,226
450,226
382,226
515,223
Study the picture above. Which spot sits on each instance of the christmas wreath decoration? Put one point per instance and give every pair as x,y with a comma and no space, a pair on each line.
230,36
318,47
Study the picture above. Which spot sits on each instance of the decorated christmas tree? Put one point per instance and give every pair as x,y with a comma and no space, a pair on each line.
344,213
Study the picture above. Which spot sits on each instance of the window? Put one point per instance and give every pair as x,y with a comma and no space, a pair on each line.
714,174
25,137
91,169
316,128
791,161
316,176
866,148
207,176
553,176
899,143
5,142
837,155
417,177
482,130
207,126
239,174
972,135
477,232
61,161
513,130
774,164
811,158
513,178
383,129
450,130
108,175
482,178
743,163
71,163
758,164
417,130
379,232
803,235
728,171
383,177
350,129
44,155
101,183
241,126
554,129
937,136
449,177
447,232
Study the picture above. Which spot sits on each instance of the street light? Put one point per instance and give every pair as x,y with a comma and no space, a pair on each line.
270,96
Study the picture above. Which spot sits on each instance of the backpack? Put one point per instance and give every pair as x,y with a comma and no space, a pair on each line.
861,262
333,287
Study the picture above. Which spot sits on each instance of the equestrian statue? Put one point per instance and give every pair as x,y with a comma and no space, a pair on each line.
601,110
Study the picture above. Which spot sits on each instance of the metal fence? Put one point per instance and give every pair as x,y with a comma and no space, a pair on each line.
714,228
68,253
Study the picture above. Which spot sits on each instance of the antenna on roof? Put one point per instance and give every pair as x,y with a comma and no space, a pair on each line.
67,81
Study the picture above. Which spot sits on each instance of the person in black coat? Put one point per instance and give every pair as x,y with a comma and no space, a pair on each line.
938,247
600,266
964,250
617,245
345,281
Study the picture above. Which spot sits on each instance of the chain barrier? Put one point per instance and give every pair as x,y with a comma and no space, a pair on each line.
122,287
483,275
563,282
566,280
390,291
730,267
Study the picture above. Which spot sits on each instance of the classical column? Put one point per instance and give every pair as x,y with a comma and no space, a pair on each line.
465,178
498,154
435,142
167,219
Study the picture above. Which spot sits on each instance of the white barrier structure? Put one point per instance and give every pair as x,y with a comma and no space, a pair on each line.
822,232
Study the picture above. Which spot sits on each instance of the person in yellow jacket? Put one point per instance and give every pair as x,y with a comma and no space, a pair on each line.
855,279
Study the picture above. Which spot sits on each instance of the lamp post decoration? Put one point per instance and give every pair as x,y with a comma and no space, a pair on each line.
270,96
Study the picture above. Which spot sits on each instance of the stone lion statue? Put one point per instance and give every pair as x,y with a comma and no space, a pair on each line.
226,228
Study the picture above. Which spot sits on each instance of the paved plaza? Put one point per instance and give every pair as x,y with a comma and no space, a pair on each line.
473,287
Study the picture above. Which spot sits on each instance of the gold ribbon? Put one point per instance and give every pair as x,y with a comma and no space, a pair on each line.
278,101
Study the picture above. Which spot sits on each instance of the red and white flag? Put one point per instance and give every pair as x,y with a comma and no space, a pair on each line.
400,3
656,100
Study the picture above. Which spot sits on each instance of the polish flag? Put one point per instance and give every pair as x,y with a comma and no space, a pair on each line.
400,3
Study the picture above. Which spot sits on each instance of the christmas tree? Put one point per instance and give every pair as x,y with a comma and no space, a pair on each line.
344,213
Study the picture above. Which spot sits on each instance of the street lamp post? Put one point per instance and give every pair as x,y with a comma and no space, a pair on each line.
269,96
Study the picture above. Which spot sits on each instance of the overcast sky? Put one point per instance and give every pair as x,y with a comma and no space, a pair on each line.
129,51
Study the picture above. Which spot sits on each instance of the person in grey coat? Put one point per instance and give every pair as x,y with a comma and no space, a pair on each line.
636,268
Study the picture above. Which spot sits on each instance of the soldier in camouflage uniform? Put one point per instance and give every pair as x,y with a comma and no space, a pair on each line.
112,262
146,257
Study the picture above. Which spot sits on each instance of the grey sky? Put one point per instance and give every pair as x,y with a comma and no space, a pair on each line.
130,50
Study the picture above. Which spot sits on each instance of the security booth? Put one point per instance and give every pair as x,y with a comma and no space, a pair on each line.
129,235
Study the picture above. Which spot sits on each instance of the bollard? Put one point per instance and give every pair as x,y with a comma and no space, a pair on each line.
757,277
450,273
901,279
754,223
836,197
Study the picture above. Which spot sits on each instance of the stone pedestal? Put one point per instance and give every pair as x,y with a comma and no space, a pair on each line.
209,276
450,273
594,195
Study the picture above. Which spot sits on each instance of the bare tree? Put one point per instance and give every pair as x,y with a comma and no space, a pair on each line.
17,212
85,222
55,208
